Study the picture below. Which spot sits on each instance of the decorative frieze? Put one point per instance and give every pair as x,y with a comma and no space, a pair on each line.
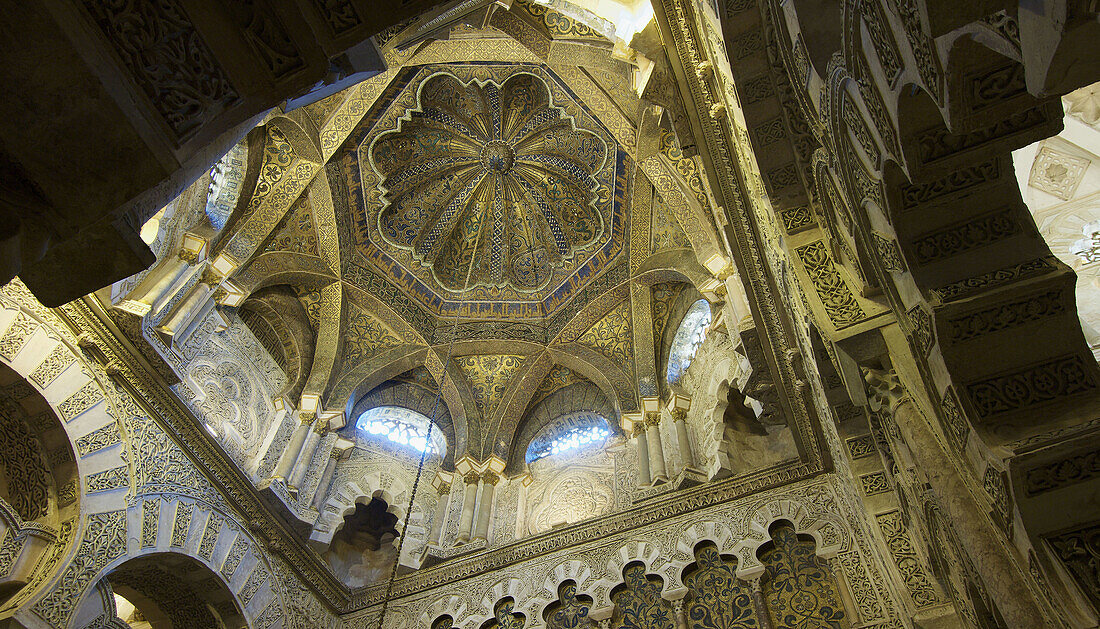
796,219
1062,473
920,328
82,400
959,238
874,483
955,425
210,535
1007,315
150,519
966,288
995,485
56,361
1058,378
861,446
107,480
840,304
905,558
16,335
100,438
168,61
939,143
235,556
181,524
1079,552
960,180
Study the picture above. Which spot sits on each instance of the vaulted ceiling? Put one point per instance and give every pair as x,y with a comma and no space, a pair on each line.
533,203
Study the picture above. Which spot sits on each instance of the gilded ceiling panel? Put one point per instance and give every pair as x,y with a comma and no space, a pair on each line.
297,233
498,164
488,376
364,336
611,336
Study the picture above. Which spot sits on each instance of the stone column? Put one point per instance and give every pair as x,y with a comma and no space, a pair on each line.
656,450
489,482
1003,578
679,420
466,521
305,457
294,446
321,492
762,616
679,613
643,455
441,506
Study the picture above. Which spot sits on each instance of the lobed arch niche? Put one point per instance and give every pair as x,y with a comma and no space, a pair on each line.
39,486
166,591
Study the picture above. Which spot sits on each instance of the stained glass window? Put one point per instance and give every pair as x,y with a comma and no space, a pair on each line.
569,433
689,336
401,426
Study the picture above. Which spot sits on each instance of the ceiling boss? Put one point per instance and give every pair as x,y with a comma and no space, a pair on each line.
496,174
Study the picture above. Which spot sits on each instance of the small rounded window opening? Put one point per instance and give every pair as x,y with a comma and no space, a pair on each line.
569,434
401,426
689,336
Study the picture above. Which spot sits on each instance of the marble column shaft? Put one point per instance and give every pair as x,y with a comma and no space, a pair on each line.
469,500
1003,578
643,456
321,492
441,507
294,446
305,457
656,449
679,420
762,616
489,481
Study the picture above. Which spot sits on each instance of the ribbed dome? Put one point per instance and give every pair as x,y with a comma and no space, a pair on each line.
495,172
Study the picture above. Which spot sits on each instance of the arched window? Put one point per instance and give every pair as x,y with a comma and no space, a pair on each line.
401,426
689,336
569,433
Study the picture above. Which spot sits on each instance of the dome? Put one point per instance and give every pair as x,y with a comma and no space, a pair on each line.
493,172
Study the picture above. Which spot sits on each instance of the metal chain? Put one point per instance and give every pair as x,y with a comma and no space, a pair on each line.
427,440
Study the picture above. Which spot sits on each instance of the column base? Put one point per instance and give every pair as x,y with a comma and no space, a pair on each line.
689,477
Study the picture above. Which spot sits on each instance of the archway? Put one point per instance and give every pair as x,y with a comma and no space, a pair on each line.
173,591
38,484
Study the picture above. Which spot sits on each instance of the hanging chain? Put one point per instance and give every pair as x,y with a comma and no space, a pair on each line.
428,438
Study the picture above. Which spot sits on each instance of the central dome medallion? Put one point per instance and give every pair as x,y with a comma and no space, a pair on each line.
493,174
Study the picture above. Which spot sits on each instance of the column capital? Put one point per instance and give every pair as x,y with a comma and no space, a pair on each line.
678,414
471,478
307,418
652,418
443,489
885,392
636,429
189,256
490,477
210,277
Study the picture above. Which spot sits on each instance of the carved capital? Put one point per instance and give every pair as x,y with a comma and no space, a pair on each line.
884,390
210,277
471,478
637,428
443,489
652,419
490,477
190,257
679,415
307,418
